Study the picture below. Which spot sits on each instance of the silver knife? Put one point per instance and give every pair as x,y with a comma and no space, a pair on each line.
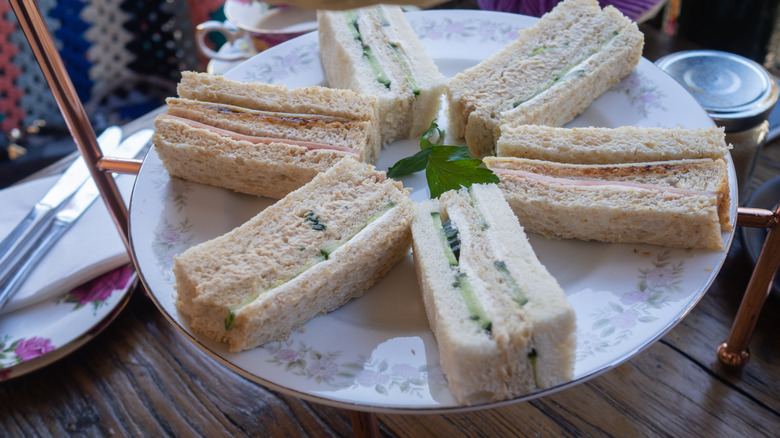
76,206
69,182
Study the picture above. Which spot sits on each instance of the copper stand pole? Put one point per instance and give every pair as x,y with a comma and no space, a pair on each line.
38,35
735,351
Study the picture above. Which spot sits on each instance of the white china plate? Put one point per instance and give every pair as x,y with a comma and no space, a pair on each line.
377,353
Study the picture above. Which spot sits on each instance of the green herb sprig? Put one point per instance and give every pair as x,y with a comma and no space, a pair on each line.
446,167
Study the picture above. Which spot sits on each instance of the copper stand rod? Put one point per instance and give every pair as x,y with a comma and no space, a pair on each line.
129,166
755,217
34,27
735,351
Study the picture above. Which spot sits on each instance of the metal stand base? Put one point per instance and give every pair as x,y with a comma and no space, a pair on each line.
734,352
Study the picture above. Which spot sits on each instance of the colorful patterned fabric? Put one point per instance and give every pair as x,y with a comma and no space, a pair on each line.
11,113
124,58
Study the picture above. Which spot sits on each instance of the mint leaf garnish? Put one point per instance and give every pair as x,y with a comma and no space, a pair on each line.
446,167
409,165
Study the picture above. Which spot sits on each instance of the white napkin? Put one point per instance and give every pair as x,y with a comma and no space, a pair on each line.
90,247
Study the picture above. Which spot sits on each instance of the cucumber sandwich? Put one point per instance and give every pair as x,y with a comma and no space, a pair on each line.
307,254
374,51
550,74
502,323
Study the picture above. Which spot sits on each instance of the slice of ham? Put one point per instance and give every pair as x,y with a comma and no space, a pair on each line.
262,140
598,183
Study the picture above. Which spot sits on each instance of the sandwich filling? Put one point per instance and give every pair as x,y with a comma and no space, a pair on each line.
598,183
476,228
382,48
316,237
574,69
312,131
501,321
451,245
261,140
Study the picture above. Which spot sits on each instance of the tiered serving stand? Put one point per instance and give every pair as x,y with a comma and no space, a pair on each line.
733,352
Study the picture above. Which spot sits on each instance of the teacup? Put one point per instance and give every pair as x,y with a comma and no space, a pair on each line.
264,24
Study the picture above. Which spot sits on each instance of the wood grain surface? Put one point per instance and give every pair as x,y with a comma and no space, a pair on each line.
140,377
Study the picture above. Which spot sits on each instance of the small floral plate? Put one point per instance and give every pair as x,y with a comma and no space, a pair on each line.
72,293
38,335
377,352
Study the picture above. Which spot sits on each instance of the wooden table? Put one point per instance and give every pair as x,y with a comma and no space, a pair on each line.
140,377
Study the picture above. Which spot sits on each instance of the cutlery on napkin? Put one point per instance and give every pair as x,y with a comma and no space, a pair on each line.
72,260
70,181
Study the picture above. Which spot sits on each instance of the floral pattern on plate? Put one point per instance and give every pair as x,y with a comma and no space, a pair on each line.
96,293
13,352
326,367
643,94
276,68
615,321
462,30
35,336
378,350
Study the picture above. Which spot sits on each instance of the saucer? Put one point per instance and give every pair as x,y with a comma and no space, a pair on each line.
239,46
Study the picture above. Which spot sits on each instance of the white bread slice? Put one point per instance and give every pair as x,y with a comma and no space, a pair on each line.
550,74
410,97
705,175
611,211
313,100
529,344
624,144
305,255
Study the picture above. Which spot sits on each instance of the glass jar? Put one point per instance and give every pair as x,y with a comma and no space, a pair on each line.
737,93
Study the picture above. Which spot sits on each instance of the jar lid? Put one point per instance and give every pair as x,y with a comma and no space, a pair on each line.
738,93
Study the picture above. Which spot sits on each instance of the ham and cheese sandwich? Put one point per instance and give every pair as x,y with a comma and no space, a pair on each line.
683,204
307,254
549,75
503,325
262,139
374,50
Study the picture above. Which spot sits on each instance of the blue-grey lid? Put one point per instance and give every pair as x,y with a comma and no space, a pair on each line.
736,92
